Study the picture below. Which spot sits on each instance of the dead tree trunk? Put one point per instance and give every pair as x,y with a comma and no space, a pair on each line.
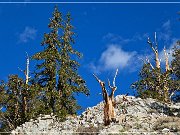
25,107
164,91
157,61
24,92
166,60
109,102
166,88
155,50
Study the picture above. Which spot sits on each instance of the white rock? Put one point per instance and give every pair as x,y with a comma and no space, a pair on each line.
86,125
14,132
137,116
165,130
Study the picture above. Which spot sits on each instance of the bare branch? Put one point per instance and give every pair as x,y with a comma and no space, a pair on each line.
151,45
149,62
109,102
155,38
114,85
97,78
166,59
155,50
27,69
149,41
109,84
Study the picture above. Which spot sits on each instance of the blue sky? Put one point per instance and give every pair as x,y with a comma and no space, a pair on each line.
108,35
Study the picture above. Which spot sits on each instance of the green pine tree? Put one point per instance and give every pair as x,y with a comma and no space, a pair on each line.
176,70
156,82
12,91
176,60
57,72
69,81
146,86
19,97
49,58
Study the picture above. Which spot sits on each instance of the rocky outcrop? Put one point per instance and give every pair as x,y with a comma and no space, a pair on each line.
135,116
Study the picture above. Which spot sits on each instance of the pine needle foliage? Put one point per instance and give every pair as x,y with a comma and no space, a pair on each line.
16,99
176,61
156,82
57,71
176,71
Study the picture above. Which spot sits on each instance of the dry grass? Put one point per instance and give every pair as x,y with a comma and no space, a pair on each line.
172,123
88,130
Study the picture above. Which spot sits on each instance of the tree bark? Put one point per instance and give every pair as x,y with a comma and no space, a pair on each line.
109,102
166,88
24,96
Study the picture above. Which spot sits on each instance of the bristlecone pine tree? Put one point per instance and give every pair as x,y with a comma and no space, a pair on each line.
109,101
57,71
12,96
176,60
176,70
154,82
18,96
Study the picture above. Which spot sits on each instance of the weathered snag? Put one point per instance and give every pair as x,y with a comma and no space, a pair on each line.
109,102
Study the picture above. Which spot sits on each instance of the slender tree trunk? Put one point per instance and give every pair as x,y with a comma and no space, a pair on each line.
157,60
166,88
25,106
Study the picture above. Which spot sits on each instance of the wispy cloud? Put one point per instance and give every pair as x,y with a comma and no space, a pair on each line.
114,38
117,39
166,39
165,35
29,33
113,57
165,32
116,57
169,50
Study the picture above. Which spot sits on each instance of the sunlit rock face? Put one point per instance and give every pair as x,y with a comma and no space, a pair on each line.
134,116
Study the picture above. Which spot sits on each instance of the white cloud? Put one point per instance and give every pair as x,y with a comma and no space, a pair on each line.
116,57
167,25
113,57
29,33
165,32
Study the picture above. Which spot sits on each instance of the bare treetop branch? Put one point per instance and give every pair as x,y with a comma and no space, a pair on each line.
96,78
166,59
149,62
114,85
109,84
151,45
155,38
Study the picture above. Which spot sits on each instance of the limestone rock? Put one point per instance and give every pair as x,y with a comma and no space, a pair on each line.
142,116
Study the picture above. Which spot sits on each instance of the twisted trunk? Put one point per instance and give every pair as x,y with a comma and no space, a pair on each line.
109,102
